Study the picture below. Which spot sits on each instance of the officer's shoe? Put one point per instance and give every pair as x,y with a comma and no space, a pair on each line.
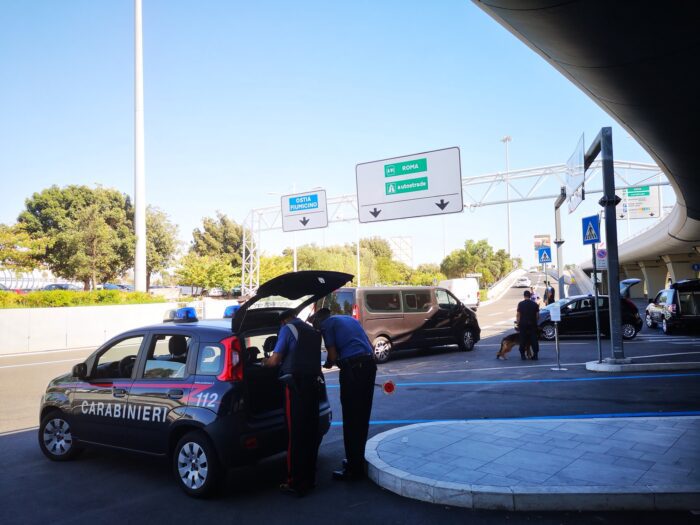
347,475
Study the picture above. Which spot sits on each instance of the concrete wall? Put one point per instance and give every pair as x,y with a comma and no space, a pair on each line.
25,330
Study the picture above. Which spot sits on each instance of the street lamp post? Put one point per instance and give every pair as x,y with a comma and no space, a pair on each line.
506,140
139,176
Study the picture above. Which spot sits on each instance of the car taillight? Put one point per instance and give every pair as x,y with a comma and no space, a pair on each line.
355,312
233,365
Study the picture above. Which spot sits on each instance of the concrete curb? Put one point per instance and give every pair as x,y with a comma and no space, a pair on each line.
595,366
521,497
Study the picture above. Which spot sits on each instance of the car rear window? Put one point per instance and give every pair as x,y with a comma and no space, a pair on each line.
210,360
339,302
383,301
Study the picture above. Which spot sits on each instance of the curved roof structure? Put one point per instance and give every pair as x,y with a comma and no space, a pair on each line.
637,61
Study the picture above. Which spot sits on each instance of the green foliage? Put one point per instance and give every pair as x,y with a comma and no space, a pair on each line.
477,257
272,266
376,246
161,241
56,298
88,232
18,250
207,272
220,237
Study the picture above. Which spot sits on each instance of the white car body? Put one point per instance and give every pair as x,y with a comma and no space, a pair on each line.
465,289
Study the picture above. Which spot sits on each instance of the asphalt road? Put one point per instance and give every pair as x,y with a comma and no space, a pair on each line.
109,487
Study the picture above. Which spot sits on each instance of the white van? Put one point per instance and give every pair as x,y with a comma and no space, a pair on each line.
465,289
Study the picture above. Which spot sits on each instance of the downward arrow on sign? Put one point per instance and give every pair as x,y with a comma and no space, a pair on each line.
304,221
375,212
442,204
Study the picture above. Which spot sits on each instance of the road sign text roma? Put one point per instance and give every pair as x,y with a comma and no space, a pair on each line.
305,202
406,186
406,168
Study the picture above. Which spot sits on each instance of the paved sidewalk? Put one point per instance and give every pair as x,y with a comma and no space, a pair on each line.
568,464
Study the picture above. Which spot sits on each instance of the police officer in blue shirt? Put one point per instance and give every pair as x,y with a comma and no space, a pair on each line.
349,348
298,353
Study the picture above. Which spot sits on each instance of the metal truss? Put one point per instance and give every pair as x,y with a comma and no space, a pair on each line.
523,185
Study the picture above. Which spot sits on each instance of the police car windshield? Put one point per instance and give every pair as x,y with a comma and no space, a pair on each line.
277,301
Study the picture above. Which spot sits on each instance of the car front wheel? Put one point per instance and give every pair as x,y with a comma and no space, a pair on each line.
56,438
548,333
196,465
650,322
665,327
628,331
382,349
466,340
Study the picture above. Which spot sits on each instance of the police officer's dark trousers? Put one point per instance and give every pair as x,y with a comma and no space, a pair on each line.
528,337
302,402
356,393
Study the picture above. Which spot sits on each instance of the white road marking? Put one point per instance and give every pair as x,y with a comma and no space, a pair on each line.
29,354
497,313
42,363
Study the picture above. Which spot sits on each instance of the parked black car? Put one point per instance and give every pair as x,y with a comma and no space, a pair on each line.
62,286
578,317
677,307
193,391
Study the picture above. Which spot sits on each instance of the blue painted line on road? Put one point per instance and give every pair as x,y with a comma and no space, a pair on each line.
515,381
689,413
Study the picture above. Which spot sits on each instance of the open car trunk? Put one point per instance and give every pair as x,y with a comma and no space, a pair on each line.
257,330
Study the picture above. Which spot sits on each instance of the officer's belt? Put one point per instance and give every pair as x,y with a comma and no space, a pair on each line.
356,360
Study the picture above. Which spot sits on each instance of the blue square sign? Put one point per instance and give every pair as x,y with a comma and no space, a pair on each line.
545,254
591,229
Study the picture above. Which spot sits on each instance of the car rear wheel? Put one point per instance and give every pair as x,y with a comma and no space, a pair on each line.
382,349
548,333
466,340
650,322
628,331
56,438
665,327
196,465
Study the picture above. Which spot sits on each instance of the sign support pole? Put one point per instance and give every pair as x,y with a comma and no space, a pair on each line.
556,346
597,318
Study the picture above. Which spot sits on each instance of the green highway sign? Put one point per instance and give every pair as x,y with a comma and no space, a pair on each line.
640,191
417,185
405,186
405,168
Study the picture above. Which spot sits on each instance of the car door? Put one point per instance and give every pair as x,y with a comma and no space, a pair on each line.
416,305
567,324
161,387
440,323
99,400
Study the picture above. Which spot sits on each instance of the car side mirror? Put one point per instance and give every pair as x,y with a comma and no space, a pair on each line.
80,371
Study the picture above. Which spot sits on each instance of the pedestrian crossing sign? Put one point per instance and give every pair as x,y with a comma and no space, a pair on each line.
545,254
591,229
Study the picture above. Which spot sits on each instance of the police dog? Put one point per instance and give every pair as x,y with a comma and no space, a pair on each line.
507,344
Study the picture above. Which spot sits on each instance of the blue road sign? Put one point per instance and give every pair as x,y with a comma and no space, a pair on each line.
545,254
696,267
591,229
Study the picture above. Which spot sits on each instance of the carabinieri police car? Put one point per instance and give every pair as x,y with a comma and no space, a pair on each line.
192,390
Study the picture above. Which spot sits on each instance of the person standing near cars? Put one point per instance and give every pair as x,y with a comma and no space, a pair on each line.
349,348
526,319
298,354
549,293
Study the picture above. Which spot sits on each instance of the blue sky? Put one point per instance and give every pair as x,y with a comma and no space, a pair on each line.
243,99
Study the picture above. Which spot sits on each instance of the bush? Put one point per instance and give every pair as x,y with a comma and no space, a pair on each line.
56,298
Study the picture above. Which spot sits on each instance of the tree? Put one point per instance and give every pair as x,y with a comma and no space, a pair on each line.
88,232
219,237
205,271
18,251
477,257
376,246
161,242
272,266
426,275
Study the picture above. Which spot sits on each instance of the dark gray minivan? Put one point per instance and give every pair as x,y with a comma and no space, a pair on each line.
401,317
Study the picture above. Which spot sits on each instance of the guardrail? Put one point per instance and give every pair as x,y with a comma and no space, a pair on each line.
502,286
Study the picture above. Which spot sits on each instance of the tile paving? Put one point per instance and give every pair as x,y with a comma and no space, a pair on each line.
625,463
